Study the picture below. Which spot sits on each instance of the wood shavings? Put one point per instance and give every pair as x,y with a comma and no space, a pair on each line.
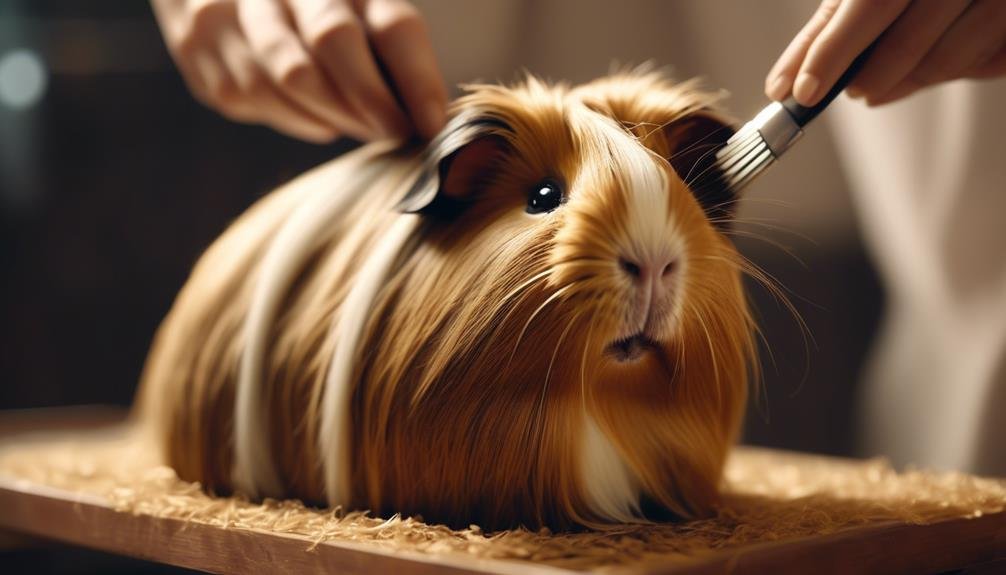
768,496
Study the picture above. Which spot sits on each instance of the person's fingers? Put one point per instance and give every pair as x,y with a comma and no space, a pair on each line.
337,40
240,90
189,29
213,56
855,25
976,38
779,81
904,44
973,39
906,87
402,42
279,52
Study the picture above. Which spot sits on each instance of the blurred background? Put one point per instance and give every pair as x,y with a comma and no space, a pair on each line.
113,179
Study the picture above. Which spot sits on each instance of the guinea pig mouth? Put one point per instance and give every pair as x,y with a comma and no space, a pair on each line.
631,348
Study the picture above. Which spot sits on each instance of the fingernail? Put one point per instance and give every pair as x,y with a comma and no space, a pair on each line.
431,119
777,87
805,89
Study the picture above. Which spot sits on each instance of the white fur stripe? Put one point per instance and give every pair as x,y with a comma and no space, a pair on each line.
645,185
611,489
255,471
334,438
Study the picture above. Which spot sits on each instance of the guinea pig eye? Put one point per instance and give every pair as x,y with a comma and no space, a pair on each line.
544,197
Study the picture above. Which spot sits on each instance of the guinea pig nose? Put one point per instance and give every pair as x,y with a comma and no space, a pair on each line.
648,269
630,267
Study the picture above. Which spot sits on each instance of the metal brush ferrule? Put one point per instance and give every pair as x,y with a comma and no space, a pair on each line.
777,128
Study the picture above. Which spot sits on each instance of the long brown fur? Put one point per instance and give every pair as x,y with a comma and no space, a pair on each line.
486,349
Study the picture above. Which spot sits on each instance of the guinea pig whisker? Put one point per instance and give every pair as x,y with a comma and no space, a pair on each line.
771,282
779,291
781,294
653,128
773,202
771,224
689,179
700,142
752,270
679,366
759,375
751,235
580,260
540,409
583,364
771,242
709,148
558,293
712,353
526,284
774,287
562,336
519,294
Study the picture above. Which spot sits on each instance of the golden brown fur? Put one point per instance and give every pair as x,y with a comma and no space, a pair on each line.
486,349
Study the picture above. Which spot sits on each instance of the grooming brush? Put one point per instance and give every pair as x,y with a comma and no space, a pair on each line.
762,141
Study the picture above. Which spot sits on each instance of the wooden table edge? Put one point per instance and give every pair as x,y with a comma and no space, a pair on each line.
87,520
958,543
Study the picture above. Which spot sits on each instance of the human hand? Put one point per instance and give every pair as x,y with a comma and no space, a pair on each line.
921,43
310,69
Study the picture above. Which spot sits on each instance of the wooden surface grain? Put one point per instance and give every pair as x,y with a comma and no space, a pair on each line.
882,549
90,521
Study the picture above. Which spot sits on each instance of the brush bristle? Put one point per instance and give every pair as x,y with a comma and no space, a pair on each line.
744,157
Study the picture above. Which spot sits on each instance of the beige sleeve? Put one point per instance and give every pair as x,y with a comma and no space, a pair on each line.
928,178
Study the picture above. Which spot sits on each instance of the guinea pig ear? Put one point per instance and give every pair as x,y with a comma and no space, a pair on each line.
692,143
677,120
463,155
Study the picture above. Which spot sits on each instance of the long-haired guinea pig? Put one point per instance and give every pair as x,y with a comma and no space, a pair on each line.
559,337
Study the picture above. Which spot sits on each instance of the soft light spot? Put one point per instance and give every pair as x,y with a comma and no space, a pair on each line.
23,79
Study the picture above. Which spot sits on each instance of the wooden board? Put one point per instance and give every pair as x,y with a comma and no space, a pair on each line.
87,520
90,522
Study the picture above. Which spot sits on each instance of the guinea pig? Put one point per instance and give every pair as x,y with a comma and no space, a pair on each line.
559,337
